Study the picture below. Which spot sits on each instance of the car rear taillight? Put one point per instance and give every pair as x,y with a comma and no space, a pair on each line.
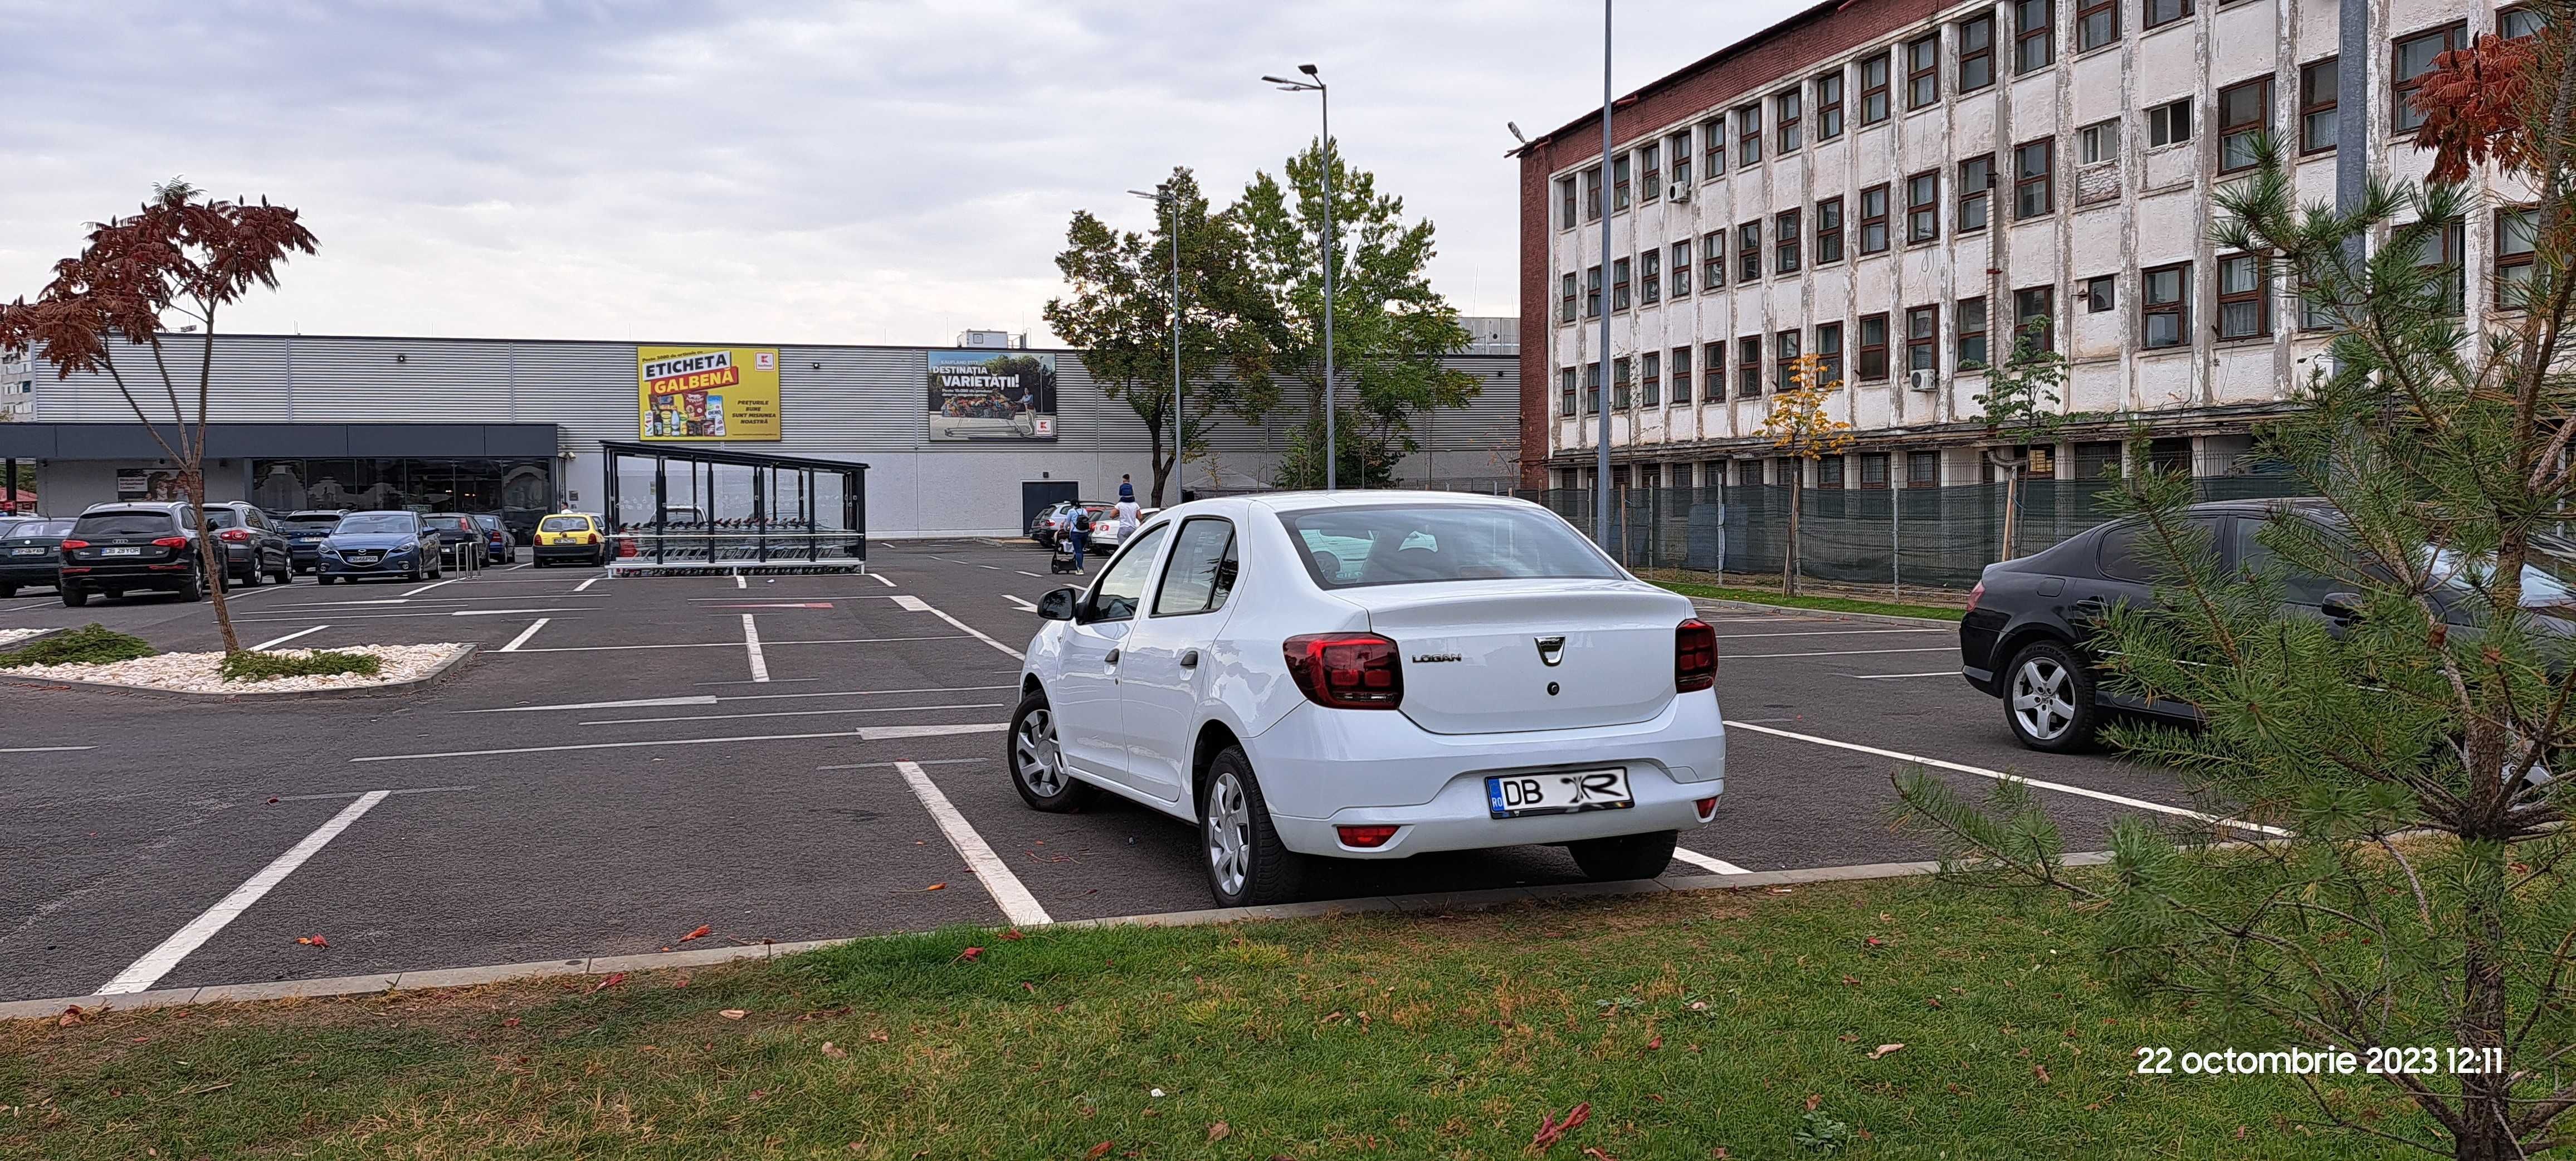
236,535
1975,594
590,538
1365,837
1707,808
1346,670
1694,656
71,544
171,542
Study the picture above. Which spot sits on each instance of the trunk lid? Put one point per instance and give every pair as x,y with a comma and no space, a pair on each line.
1474,662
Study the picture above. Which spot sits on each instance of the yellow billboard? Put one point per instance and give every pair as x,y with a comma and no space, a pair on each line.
704,394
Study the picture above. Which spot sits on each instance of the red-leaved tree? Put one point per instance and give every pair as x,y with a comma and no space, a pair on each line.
183,253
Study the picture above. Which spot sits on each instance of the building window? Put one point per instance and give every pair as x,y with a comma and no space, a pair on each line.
1976,53
1871,361
1619,384
1748,473
1787,110
1681,375
1650,165
1784,242
2163,12
2169,123
1971,316
1748,252
1679,145
1923,207
1748,135
2097,23
1681,269
1873,220
1619,183
1923,469
1650,276
2318,85
2164,306
1829,352
2415,57
1923,72
1592,387
2097,293
1592,292
1619,284
2517,243
1873,471
2034,178
2034,319
1829,106
1713,371
2315,313
2098,142
2517,23
1873,89
1567,213
1784,360
1565,391
2244,116
1565,304
1829,231
1748,366
1713,157
1829,473
1712,260
1592,194
1976,177
1922,336
1650,384
2444,257
2034,36
2244,310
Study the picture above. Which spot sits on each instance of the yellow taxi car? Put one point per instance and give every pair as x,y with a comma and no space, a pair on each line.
572,536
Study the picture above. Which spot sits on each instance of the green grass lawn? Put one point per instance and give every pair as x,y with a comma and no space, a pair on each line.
1707,1024
1825,604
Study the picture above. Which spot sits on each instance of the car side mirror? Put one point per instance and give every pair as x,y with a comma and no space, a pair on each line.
1058,605
2341,608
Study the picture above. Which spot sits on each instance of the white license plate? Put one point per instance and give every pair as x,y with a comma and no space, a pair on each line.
27,552
120,552
1557,792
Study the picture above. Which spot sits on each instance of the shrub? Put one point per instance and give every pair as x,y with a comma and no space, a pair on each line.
252,665
91,644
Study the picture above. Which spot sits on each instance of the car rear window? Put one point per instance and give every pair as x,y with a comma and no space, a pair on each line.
376,522
1424,543
564,524
41,528
448,523
98,524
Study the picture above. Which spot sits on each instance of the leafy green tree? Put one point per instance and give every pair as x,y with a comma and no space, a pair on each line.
1390,329
2405,730
1118,311
2021,404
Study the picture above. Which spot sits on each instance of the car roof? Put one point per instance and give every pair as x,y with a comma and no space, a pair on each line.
1370,498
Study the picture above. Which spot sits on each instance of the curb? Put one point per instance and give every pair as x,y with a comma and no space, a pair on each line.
38,635
1426,904
1880,618
424,680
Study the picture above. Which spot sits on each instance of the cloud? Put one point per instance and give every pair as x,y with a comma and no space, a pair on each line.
884,171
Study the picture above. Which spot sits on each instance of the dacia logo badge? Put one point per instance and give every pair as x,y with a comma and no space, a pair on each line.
1551,650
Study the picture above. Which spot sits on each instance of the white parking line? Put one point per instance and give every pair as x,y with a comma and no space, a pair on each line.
916,604
1998,775
751,645
1724,656
886,733
274,642
156,963
1705,862
740,583
1025,607
874,709
883,579
44,749
585,584
431,585
1017,905
1894,676
635,703
711,699
911,604
733,644
1830,633
868,734
524,634
1025,572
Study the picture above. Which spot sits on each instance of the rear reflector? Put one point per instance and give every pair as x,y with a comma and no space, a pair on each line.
1975,594
1366,837
1707,808
1346,670
1694,656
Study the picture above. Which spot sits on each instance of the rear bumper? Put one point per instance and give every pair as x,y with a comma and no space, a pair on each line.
569,551
168,574
1323,768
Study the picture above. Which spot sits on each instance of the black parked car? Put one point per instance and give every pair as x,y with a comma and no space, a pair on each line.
501,547
465,543
115,549
305,532
254,550
31,554
380,544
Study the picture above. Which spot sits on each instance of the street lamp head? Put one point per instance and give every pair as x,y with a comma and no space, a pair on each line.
1515,127
1309,70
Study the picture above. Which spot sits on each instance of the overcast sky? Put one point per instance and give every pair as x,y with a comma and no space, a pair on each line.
878,171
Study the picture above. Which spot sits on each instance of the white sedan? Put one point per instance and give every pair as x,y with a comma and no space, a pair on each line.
1374,675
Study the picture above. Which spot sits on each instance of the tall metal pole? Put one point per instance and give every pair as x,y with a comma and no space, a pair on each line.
1177,429
1601,457
1332,443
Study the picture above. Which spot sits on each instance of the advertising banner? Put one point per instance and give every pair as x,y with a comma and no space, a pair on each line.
702,394
995,395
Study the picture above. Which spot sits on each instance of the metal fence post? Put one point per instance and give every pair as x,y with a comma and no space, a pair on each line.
1895,547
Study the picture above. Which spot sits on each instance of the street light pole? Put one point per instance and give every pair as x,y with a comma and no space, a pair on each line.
1173,203
1315,84
1600,406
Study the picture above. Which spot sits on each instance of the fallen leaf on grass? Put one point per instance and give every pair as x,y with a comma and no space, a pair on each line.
702,932
2041,1071
312,941
1884,1049
835,1051
970,953
510,1022
71,1016
1814,1100
1549,1131
1099,1150
733,1013
936,887
1656,1043
606,982
1594,1152
1013,933
1220,1131
877,1037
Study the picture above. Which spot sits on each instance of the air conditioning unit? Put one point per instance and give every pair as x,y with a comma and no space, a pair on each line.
1679,191
1923,379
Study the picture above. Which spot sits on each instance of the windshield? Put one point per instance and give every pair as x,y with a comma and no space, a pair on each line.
39,528
396,522
222,518
1415,544
99,524
2548,574
564,524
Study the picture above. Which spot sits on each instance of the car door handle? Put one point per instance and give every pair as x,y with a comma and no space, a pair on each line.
1189,658
1111,658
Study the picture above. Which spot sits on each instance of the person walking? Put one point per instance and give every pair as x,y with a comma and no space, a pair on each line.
1126,488
1128,518
1080,525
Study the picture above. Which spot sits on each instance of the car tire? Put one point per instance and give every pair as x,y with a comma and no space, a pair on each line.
1247,865
1629,856
2048,699
1036,760
193,588
74,596
285,573
249,579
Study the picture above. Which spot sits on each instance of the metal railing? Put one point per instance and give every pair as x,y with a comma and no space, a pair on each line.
726,548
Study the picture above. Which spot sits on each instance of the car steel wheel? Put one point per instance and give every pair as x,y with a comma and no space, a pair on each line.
1041,760
1229,833
2043,698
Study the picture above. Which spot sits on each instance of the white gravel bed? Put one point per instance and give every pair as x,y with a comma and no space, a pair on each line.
8,636
195,672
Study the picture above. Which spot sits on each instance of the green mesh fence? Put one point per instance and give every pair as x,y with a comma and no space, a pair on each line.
1911,537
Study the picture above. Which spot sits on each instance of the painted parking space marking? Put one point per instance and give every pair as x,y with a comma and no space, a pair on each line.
156,963
916,604
889,733
1023,603
1025,572
751,645
524,634
867,734
883,579
739,583
274,642
1894,676
1830,633
2000,776
583,585
1017,905
873,709
43,749
431,585
732,644
632,703
1724,656
1706,862
912,604
775,605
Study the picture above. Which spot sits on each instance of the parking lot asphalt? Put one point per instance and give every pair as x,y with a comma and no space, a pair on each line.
776,758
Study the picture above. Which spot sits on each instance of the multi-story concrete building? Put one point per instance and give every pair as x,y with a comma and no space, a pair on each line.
1898,186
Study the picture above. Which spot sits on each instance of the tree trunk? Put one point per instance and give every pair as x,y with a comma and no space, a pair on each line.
210,553
2012,508
1789,558
1162,467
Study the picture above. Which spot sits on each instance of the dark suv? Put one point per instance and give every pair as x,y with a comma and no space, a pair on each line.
115,549
254,550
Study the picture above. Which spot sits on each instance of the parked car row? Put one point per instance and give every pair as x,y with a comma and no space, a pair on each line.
152,546
1055,522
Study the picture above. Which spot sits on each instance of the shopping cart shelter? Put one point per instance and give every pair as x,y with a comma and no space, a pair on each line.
725,511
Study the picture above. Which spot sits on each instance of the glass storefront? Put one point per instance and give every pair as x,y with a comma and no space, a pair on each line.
519,490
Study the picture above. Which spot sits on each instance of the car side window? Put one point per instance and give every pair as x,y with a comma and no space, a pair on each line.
1201,572
1123,585
2130,552
2298,587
